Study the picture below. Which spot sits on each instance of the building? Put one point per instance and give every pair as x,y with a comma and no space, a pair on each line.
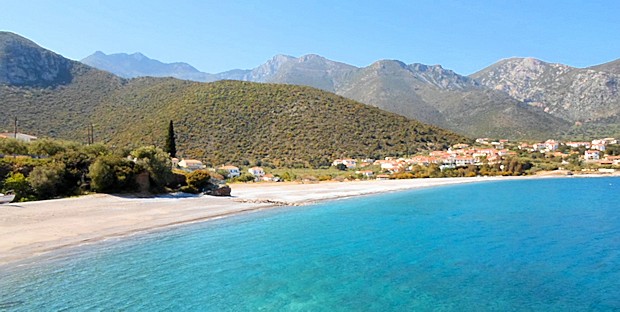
19,136
256,172
578,144
270,178
598,146
191,164
551,145
592,155
349,163
462,161
232,171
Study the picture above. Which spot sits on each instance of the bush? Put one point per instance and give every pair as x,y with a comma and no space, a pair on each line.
246,177
403,175
325,178
13,147
46,180
198,180
46,147
341,167
110,174
157,163
17,183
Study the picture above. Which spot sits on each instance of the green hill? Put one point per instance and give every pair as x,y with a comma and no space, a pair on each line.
242,121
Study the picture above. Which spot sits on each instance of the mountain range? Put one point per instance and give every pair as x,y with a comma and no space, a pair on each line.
219,122
516,98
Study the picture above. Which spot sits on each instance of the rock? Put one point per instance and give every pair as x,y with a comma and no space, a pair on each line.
221,190
23,63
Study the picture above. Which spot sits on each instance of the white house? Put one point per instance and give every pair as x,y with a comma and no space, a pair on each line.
578,144
232,171
349,163
551,145
600,147
191,164
464,161
270,178
19,136
257,171
592,155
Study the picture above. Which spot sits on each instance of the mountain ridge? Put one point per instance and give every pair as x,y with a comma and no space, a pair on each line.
219,122
411,90
574,94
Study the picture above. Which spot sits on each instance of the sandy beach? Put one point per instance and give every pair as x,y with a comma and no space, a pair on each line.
34,228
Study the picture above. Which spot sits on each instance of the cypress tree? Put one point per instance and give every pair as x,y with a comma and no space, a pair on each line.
171,146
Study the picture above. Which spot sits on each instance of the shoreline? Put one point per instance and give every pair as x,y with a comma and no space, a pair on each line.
33,229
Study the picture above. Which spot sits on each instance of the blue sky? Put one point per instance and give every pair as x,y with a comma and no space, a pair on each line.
215,36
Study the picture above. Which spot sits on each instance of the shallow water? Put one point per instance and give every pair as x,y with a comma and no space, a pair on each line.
535,245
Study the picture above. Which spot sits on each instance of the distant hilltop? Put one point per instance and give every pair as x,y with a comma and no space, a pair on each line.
517,97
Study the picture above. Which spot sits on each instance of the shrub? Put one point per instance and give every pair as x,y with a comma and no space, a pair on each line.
198,180
157,163
17,183
325,178
46,180
13,147
111,173
403,175
46,147
246,177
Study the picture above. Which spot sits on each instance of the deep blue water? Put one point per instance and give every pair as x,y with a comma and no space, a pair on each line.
535,245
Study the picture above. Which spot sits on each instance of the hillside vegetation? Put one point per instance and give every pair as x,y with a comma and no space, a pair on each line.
222,122
241,122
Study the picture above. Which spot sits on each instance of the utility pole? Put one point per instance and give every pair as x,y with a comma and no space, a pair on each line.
15,129
91,134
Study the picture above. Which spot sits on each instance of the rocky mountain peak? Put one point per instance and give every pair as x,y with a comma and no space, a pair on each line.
311,57
24,63
441,78
567,92
139,56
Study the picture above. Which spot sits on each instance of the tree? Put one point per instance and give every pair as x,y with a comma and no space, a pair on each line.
46,147
111,173
341,167
17,183
13,147
46,180
171,146
156,162
199,180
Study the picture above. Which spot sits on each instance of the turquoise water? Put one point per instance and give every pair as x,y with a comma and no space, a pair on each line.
536,245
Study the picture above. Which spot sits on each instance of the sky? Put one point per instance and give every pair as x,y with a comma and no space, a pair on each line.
216,36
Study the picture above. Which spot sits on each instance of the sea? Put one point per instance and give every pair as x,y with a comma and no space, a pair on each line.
518,245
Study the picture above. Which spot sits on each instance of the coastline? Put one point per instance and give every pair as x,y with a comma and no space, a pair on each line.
35,228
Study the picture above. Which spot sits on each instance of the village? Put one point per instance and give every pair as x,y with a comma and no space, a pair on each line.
598,156
586,157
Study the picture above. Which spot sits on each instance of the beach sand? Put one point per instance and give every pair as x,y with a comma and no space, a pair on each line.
34,228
